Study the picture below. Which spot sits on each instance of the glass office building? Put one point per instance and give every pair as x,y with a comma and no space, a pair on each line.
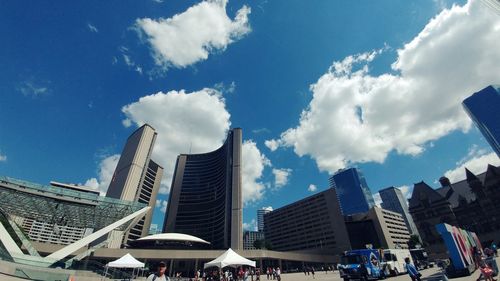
393,200
483,108
352,191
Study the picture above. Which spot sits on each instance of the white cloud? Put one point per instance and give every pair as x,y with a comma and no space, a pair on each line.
186,123
476,163
92,28
105,173
33,88
253,162
189,37
355,117
281,177
162,205
312,188
406,190
3,157
272,144
377,199
252,226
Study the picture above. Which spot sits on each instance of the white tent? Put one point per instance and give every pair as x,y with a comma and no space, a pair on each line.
127,261
229,258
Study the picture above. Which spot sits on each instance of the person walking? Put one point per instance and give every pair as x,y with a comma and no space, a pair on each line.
160,274
312,271
412,270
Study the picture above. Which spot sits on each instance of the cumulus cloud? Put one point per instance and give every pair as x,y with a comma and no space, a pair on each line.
312,188
272,144
251,226
3,157
162,205
194,122
377,199
355,117
253,164
105,174
189,37
281,177
476,161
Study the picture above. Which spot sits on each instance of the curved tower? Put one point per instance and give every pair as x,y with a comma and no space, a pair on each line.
205,196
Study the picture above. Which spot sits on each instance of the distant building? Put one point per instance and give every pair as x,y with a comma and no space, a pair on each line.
379,228
352,191
153,229
471,204
312,224
260,217
136,178
205,198
393,200
249,237
483,109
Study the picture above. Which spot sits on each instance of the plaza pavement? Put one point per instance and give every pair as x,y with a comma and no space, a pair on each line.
430,274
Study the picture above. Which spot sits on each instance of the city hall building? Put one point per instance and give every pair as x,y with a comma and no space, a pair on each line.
205,196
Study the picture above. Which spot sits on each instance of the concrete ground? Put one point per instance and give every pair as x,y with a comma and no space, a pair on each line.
430,274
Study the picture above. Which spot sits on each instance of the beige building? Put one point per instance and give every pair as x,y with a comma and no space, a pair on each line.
136,178
379,228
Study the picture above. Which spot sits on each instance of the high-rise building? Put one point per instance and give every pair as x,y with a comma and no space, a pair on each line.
352,191
249,237
205,197
137,178
312,224
393,200
483,109
379,228
260,217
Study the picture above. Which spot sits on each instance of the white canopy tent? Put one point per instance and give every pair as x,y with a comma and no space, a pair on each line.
229,258
127,261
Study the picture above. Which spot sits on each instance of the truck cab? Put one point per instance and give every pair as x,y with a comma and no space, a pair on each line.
361,264
420,258
394,260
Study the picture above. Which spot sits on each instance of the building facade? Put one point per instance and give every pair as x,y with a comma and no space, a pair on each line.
353,193
312,224
137,178
249,237
379,228
482,108
205,197
469,204
260,217
394,200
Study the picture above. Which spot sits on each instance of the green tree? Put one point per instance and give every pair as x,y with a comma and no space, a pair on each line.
258,244
414,241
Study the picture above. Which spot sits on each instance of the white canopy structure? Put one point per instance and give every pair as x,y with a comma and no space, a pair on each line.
127,261
229,258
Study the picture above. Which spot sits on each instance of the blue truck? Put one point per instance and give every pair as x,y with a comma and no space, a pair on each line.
362,264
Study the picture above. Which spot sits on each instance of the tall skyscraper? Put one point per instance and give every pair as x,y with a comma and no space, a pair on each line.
137,178
260,217
205,197
393,200
352,191
483,109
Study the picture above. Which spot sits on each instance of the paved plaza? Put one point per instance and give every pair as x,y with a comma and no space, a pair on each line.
431,274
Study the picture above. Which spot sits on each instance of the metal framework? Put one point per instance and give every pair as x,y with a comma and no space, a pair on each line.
62,206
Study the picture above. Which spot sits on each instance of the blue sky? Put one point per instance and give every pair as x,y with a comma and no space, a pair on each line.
316,86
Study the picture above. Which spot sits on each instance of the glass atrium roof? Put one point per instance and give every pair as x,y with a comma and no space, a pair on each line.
62,206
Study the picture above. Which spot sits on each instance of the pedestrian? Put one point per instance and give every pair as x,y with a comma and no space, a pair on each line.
268,272
278,273
412,270
304,269
487,272
160,274
257,274
312,271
